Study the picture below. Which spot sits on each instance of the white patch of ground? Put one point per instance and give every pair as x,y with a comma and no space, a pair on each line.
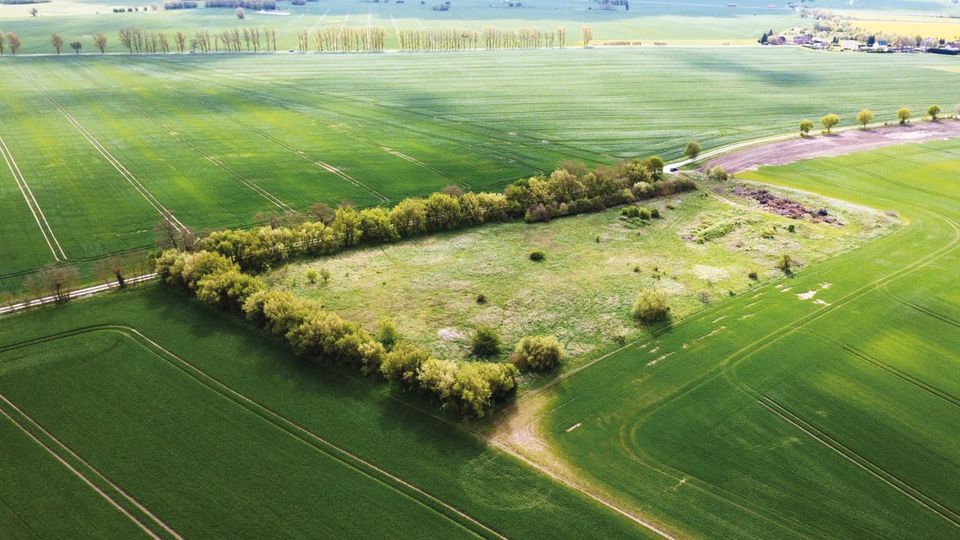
821,302
710,273
451,334
573,427
807,295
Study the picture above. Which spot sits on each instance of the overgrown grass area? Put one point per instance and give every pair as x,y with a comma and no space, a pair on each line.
824,404
107,144
215,429
440,289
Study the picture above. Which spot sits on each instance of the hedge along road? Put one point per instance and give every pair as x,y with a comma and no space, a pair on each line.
778,412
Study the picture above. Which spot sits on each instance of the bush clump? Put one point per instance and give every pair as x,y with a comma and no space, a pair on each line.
537,255
485,342
651,306
537,353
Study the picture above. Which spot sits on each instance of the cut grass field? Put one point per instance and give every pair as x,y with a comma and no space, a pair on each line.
143,412
701,251
105,144
773,415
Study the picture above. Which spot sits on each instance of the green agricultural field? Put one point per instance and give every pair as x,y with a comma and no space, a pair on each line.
105,145
701,251
180,419
679,22
824,404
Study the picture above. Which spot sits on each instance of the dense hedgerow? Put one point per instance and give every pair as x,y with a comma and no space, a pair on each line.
467,388
571,190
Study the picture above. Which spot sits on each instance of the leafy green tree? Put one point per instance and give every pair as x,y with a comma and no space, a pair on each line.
904,115
485,342
387,333
805,127
312,276
325,275
933,111
829,121
651,306
537,353
864,117
692,150
784,264
76,46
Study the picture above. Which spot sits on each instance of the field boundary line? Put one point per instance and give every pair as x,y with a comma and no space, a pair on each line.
860,461
942,394
80,475
32,203
165,213
276,201
293,428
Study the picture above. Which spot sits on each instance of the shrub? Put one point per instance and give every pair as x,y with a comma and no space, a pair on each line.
325,275
537,255
312,276
903,115
718,174
537,213
387,333
655,213
784,264
651,306
537,353
228,289
402,364
752,275
485,342
481,299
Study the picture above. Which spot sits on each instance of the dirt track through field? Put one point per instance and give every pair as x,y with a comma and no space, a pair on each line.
845,142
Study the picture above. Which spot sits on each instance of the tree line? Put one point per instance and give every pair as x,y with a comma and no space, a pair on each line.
466,388
570,190
454,39
340,38
865,116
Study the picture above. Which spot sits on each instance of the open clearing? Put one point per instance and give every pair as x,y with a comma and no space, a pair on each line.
188,416
103,142
769,398
701,251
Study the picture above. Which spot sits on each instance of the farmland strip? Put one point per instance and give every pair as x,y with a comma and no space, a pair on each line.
166,214
32,203
82,477
175,134
860,461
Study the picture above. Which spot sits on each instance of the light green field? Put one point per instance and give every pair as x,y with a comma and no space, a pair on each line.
680,22
106,144
210,429
774,415
596,265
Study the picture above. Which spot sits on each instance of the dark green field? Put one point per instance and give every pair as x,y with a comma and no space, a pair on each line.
216,430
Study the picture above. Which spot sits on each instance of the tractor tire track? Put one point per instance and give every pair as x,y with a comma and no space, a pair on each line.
942,394
165,213
176,134
64,448
32,203
283,423
863,463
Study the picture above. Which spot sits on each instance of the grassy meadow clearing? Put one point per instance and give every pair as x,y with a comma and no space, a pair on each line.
440,289
821,404
98,148
215,429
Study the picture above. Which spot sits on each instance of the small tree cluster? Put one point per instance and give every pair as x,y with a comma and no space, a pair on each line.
537,353
651,306
577,190
468,388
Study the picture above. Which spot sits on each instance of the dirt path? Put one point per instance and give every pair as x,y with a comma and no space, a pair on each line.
844,142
